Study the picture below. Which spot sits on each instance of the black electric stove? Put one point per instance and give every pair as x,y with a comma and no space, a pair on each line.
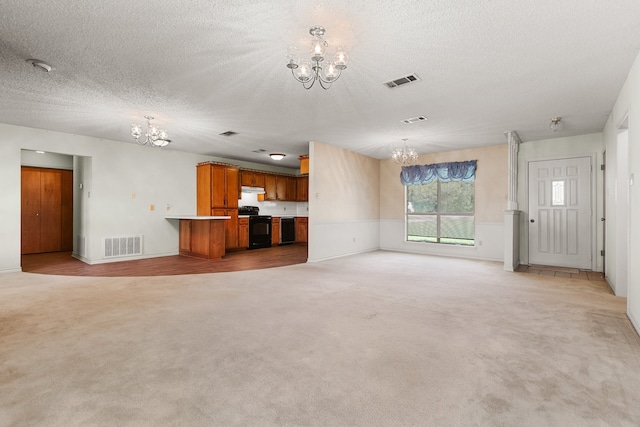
259,227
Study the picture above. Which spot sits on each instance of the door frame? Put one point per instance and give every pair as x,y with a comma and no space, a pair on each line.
593,184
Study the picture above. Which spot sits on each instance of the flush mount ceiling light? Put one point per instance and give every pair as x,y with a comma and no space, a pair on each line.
40,65
307,71
405,155
277,156
153,136
556,124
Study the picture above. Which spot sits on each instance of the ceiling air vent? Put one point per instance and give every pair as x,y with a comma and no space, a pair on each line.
414,120
402,81
229,133
259,150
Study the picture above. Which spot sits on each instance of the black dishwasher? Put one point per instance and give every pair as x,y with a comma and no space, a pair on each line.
287,230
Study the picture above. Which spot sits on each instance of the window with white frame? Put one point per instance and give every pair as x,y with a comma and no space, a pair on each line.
440,203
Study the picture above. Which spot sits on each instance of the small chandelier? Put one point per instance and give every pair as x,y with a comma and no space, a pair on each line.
153,136
404,156
556,124
308,72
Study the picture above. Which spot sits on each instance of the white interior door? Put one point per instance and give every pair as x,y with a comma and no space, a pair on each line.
560,230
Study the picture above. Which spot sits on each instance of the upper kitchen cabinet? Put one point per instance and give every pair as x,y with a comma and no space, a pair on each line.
270,187
303,189
217,186
252,178
304,164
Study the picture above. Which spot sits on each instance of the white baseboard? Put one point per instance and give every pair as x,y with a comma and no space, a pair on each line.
11,270
342,255
634,323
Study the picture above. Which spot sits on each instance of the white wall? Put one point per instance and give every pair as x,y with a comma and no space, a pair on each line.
46,160
344,195
120,181
588,145
627,107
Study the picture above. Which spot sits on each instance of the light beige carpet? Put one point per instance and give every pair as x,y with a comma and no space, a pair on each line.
379,339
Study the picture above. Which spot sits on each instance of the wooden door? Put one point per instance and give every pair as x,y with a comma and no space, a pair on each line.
46,210
30,200
560,220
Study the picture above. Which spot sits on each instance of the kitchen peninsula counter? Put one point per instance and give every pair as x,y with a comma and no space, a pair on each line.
201,236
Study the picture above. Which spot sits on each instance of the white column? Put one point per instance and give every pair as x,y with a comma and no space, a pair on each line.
513,139
511,214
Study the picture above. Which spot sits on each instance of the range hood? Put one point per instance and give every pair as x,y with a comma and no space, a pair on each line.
254,190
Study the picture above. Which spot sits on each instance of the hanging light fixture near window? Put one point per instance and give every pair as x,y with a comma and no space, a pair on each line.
308,72
405,155
154,136
556,124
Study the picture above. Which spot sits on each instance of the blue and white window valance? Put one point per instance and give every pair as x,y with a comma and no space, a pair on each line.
444,172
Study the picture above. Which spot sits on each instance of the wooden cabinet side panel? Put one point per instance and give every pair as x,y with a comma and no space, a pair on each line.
203,189
30,210
184,237
231,229
233,188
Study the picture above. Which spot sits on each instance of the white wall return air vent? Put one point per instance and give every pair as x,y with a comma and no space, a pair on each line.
122,246
411,78
414,120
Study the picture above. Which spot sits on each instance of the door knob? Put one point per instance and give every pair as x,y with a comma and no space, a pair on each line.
532,220
601,219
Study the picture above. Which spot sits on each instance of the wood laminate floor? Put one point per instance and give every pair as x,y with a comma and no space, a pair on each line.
62,263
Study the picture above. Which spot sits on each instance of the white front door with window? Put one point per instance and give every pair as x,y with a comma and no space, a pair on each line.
560,221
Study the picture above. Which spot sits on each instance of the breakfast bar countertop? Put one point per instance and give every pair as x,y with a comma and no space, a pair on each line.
197,217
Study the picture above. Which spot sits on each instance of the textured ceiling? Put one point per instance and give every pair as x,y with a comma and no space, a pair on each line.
203,68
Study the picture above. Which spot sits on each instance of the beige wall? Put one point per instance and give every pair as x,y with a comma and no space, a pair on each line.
345,185
490,184
344,202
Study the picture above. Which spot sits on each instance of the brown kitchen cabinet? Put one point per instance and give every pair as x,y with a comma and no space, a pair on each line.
304,164
275,231
302,189
203,238
270,192
217,191
231,226
252,178
292,189
302,229
281,187
46,210
243,233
